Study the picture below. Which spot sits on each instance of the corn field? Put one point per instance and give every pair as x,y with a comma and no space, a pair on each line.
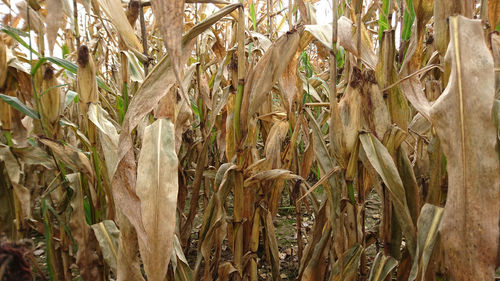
249,140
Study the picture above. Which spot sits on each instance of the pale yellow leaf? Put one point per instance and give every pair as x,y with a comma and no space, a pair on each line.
463,121
157,189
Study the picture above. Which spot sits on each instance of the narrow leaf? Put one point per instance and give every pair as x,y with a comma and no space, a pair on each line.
116,14
381,267
107,235
383,163
428,225
17,104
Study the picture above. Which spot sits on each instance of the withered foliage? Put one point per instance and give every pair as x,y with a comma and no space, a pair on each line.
253,140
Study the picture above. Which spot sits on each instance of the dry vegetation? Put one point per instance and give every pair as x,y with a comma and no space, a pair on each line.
164,140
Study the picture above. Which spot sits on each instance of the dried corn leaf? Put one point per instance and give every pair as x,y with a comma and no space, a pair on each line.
349,266
495,49
274,142
159,81
72,157
116,14
463,121
276,174
290,85
180,263
3,63
272,243
494,14
267,72
428,225
107,235
36,23
108,136
346,39
382,266
54,20
412,89
383,163
33,155
170,18
87,258
157,190
154,87
128,264
14,173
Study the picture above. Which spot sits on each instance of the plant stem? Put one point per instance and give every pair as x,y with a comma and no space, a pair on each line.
239,196
144,37
77,31
241,73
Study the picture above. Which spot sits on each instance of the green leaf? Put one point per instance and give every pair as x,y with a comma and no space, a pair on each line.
53,87
48,240
408,20
14,30
383,21
71,96
65,50
64,64
15,34
252,15
17,104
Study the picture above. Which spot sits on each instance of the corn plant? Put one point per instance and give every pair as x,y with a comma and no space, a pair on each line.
173,140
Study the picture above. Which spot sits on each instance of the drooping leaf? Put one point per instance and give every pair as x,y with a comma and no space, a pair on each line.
383,163
412,88
157,190
14,173
463,121
154,87
267,72
108,136
74,158
116,14
428,225
272,243
107,235
275,174
170,18
34,155
346,39
180,263
87,258
17,104
382,266
348,263
54,20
